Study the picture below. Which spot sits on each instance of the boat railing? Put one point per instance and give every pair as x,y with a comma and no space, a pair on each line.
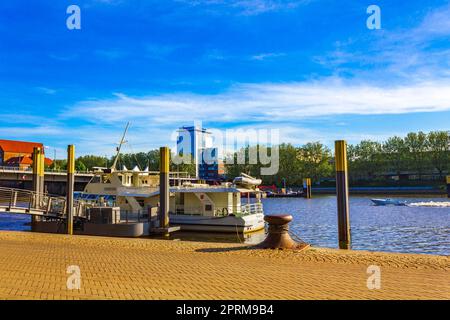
252,208
179,175
139,191
243,210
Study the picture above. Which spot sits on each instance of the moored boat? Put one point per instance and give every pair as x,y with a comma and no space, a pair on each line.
193,206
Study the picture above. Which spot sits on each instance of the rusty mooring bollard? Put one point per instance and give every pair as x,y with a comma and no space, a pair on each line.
278,236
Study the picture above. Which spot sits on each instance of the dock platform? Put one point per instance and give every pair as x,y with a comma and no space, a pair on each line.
34,266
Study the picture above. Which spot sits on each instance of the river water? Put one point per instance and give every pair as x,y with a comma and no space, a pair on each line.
377,228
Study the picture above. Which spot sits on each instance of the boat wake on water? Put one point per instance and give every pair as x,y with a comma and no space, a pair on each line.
433,204
396,202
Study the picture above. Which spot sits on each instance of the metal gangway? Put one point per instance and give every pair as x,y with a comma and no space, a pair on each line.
38,204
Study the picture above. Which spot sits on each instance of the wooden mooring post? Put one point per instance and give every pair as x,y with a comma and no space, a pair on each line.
41,172
164,194
342,194
164,187
70,188
36,168
307,188
38,183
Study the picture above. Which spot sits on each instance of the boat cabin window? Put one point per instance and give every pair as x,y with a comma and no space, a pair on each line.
105,179
95,179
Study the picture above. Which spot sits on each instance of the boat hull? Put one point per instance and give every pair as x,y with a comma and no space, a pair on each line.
385,202
245,224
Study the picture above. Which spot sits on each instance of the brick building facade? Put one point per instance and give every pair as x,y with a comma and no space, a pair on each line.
19,153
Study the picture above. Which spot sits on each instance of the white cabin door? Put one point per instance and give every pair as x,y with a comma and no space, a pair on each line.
208,207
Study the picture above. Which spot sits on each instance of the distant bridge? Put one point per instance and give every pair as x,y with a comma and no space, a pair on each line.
55,180
50,172
36,204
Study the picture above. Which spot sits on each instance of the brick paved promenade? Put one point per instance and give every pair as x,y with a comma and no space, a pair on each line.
33,266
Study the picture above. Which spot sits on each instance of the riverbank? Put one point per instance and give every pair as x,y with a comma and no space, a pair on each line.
404,190
34,266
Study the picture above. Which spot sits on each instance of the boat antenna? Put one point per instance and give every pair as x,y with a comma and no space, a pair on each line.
122,141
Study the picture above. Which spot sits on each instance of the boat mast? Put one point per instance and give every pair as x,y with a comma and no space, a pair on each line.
122,141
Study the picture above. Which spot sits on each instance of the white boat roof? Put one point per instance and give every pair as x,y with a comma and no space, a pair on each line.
133,192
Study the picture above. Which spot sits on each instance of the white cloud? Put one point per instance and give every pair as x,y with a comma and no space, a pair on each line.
246,106
247,7
45,90
254,7
435,24
395,53
264,56
287,106
31,131
270,102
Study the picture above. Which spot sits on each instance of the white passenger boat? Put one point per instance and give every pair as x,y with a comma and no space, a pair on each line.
192,206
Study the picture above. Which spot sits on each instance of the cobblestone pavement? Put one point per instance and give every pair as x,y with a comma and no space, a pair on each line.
34,266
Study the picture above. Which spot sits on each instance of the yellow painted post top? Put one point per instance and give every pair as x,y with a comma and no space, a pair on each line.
71,159
164,160
448,179
41,163
36,152
340,151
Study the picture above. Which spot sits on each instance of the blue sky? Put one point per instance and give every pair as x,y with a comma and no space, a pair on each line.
310,68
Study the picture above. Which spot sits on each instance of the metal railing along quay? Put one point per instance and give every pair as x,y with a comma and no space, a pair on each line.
30,170
33,203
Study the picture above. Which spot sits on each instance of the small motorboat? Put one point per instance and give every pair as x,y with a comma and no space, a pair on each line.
388,201
246,180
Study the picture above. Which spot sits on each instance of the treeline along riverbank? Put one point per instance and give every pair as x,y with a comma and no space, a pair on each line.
415,160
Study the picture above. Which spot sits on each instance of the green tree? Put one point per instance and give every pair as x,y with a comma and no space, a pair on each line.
141,159
394,150
186,166
80,166
290,168
416,145
153,160
315,160
439,148
238,162
91,161
59,164
365,159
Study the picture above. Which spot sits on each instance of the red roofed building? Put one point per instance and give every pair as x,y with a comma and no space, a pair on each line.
19,153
